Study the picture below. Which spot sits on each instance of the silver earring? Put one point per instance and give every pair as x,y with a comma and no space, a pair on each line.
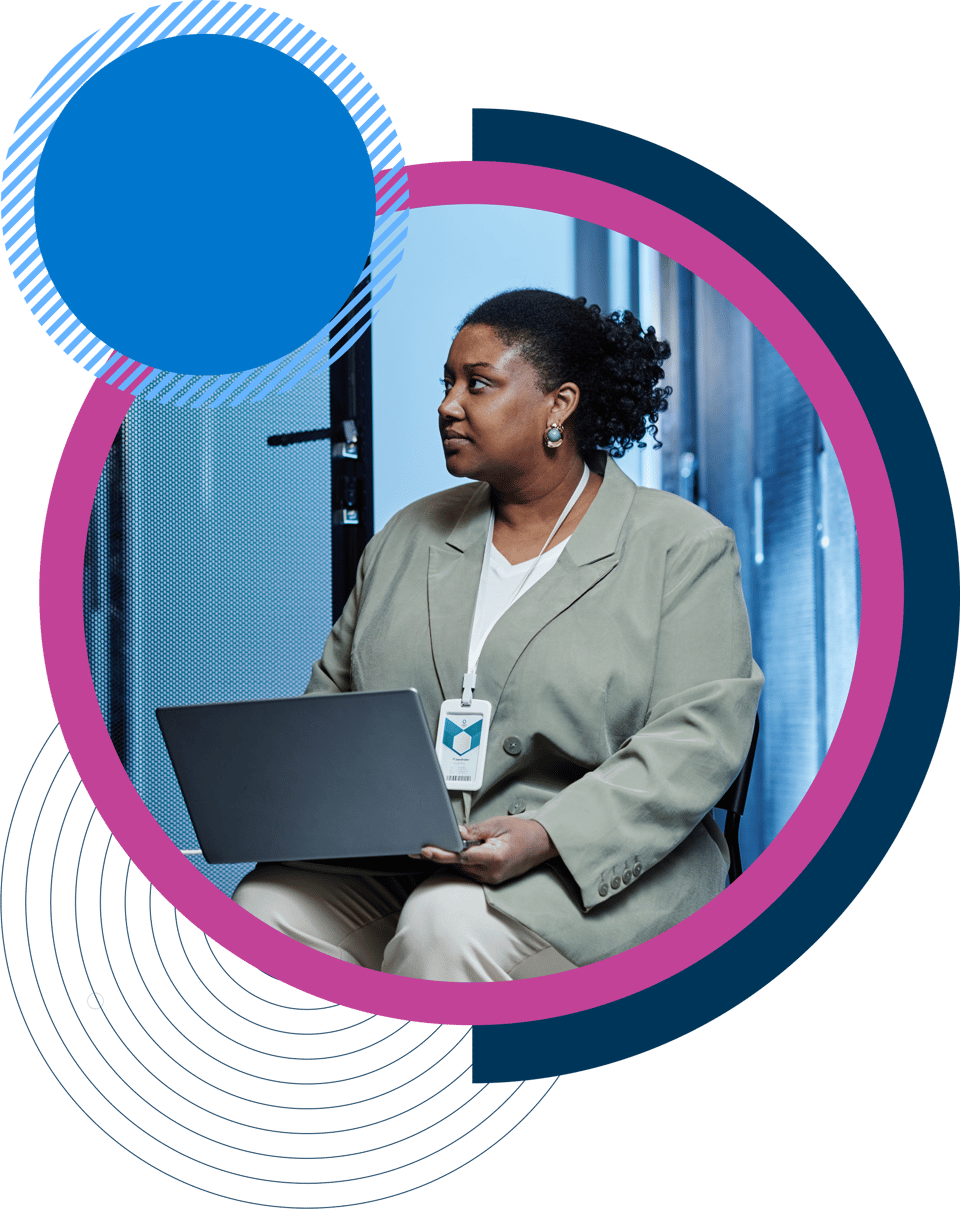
553,437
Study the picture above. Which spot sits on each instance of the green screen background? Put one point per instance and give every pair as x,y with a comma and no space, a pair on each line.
832,1085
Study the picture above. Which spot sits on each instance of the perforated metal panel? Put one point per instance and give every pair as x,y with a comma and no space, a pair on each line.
226,573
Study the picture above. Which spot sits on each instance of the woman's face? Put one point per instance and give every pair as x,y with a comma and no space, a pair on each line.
493,415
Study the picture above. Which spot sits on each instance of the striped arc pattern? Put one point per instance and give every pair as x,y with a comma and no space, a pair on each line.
174,20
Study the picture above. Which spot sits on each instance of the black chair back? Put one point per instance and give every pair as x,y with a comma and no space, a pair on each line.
733,802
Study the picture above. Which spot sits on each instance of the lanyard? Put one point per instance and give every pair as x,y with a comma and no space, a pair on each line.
470,676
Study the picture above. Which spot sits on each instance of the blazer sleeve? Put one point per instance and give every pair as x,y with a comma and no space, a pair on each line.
331,673
638,805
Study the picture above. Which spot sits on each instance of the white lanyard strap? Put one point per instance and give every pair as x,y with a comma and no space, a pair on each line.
470,676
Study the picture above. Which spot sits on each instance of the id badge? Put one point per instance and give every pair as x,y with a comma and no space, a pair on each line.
462,742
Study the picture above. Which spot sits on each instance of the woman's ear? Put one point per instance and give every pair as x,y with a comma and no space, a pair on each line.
565,400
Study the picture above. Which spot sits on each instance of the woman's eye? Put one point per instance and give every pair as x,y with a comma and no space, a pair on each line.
473,385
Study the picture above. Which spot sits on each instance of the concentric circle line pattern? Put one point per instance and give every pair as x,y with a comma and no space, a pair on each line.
44,998
17,803
338,1205
181,1124
213,1086
203,1137
167,1086
227,1065
62,890
296,1083
80,1022
321,1007
133,1054
306,47
259,1103
288,1032
288,1082
267,1053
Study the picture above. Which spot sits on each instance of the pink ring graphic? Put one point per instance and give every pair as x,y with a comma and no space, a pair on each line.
61,613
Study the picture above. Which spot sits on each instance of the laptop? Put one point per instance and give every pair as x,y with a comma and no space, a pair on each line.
327,778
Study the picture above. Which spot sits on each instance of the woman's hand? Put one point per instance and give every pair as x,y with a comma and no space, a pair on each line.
504,847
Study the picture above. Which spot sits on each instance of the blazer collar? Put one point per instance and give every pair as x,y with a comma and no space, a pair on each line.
595,537
454,575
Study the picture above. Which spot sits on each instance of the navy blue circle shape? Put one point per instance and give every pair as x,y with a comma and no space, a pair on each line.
661,1013
204,204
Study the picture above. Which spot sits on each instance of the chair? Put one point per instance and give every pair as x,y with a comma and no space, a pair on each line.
733,802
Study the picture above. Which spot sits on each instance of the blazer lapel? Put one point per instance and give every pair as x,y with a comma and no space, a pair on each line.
454,574
526,617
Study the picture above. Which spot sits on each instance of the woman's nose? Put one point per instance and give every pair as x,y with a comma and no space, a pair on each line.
450,407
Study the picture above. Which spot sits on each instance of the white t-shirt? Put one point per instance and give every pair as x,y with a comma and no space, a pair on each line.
502,581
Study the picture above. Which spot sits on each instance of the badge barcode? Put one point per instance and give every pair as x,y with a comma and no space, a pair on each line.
459,778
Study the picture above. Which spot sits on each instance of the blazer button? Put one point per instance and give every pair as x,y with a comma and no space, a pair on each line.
615,882
604,889
512,745
516,808
637,870
627,875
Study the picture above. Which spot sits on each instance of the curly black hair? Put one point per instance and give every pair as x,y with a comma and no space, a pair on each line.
613,360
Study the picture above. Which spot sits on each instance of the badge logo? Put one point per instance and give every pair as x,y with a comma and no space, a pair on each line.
461,737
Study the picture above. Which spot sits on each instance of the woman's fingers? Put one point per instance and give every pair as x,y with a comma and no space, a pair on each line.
440,855
482,859
500,849
467,860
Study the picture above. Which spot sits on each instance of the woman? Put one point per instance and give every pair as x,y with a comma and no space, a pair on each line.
604,624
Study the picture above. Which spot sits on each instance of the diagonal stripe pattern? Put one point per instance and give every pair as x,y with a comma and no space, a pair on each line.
174,20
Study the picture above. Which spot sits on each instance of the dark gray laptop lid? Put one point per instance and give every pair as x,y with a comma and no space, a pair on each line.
310,778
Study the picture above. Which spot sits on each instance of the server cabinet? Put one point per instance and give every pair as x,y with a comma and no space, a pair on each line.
223,543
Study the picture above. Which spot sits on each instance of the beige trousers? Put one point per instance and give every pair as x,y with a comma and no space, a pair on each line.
440,927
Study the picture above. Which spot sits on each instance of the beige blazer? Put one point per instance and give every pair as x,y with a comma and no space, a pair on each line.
623,693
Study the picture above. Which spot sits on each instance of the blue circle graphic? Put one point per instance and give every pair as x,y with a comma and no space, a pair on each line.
205,204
